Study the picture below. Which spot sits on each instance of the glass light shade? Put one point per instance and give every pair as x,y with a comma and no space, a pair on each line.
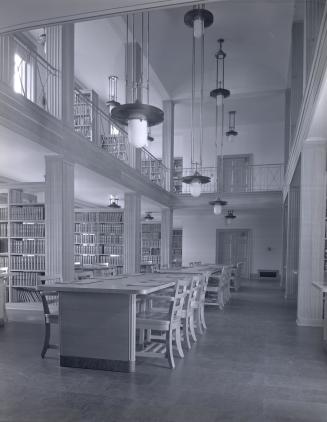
195,188
217,209
138,132
198,27
229,221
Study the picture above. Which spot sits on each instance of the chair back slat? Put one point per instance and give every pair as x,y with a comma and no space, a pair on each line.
176,307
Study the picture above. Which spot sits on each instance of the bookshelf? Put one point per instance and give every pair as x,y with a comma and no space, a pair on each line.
151,245
84,114
177,250
152,169
99,238
22,239
116,145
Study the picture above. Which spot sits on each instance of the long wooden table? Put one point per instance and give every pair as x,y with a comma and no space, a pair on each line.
97,320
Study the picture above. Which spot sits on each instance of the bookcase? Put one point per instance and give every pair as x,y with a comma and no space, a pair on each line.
22,239
116,145
85,100
151,245
99,238
152,169
177,252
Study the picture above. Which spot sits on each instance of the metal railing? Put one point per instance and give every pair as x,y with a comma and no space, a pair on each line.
91,122
153,169
29,74
249,178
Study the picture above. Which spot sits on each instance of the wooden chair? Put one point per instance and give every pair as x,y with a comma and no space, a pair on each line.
50,302
188,311
236,276
168,322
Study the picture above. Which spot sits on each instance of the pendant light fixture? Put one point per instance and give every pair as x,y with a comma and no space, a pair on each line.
113,82
148,216
230,216
197,18
113,203
231,133
137,115
220,92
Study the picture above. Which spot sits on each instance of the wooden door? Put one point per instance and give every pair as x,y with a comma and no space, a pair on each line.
235,174
233,246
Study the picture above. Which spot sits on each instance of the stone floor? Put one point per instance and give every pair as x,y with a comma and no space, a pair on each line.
253,364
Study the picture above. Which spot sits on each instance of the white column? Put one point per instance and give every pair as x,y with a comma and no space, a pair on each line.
59,215
68,74
168,142
166,237
292,254
312,231
132,233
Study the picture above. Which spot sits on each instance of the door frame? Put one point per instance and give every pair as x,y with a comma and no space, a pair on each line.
250,245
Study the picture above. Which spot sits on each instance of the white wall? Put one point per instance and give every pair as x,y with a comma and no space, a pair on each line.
199,236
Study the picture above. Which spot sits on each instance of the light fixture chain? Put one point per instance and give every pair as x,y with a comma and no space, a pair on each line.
192,103
201,95
222,144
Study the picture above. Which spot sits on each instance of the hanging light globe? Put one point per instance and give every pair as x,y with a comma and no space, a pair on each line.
218,205
230,217
138,132
198,19
196,181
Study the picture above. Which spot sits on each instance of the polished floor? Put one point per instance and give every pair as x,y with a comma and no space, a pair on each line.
253,364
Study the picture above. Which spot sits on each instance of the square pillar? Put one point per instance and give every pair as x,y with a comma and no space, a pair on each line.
312,231
68,74
59,216
166,237
132,233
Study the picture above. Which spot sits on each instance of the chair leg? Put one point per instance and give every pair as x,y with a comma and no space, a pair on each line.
203,321
46,340
179,342
169,349
192,330
198,320
186,328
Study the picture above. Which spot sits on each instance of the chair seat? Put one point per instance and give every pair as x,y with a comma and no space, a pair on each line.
153,320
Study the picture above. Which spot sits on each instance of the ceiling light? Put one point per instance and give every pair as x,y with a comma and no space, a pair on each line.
148,216
217,205
113,203
230,217
220,89
231,133
138,116
198,18
113,89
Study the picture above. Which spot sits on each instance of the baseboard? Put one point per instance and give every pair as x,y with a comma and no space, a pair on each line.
308,322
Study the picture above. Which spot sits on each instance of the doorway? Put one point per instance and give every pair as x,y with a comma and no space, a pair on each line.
235,245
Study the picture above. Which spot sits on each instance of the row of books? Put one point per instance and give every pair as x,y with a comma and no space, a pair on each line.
4,262
3,213
28,246
30,263
24,279
151,236
85,227
3,229
86,259
150,251
113,238
27,230
107,228
111,260
86,217
27,213
111,217
113,249
84,238
150,243
151,259
88,249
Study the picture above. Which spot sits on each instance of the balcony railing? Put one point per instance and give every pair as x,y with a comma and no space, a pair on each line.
30,75
153,169
250,178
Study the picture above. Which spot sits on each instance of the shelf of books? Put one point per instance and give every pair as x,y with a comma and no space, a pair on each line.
151,245
177,252
84,114
116,145
22,239
99,238
152,169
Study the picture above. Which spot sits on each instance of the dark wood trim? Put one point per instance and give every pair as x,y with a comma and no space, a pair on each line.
95,363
